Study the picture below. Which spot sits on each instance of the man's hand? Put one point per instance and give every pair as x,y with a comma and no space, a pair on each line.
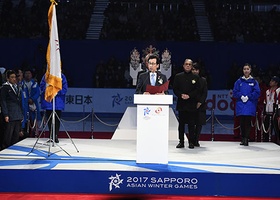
185,96
30,101
161,93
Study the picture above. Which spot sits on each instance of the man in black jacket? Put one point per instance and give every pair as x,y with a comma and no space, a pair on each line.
186,87
201,103
11,108
2,125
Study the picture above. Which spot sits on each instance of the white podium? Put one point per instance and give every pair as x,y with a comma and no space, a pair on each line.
152,128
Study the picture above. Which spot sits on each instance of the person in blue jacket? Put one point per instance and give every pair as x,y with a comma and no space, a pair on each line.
59,105
31,107
246,91
24,100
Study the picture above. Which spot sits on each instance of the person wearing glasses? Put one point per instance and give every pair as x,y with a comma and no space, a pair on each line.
145,65
151,77
186,87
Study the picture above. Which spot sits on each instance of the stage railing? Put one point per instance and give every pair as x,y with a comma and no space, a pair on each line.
258,124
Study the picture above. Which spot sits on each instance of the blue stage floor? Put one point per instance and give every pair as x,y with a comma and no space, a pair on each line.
109,167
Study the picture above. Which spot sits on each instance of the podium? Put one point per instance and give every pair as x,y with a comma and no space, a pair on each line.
152,128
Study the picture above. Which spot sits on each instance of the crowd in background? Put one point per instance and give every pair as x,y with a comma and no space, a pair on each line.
114,73
146,20
164,20
240,21
29,19
161,20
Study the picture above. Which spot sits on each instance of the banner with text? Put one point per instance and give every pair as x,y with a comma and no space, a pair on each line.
117,100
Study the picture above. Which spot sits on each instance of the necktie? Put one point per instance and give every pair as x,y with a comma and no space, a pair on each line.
153,79
15,88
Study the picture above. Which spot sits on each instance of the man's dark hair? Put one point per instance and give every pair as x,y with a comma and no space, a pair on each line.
28,70
153,56
9,73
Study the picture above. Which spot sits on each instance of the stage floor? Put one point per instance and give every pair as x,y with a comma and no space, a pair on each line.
101,154
109,166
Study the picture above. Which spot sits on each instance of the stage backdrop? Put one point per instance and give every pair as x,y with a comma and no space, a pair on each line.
117,100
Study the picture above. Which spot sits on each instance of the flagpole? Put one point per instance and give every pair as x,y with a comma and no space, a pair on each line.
53,120
52,134
53,76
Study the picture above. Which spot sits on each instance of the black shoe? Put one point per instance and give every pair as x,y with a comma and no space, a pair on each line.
180,145
191,146
242,141
56,139
196,144
246,142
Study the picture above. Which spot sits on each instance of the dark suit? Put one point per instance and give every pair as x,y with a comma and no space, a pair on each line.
2,127
202,98
11,106
186,83
201,115
144,80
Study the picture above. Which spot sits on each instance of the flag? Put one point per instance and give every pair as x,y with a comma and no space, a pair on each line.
53,73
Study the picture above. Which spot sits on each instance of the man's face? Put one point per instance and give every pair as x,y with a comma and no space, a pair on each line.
153,65
187,65
12,79
19,76
272,83
27,75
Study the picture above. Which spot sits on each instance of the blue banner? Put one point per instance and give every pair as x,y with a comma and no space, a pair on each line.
117,100
133,182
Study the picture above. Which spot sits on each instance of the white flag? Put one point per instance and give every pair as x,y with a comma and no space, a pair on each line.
53,73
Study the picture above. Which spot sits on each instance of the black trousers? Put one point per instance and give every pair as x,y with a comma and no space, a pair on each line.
188,118
197,132
11,135
2,130
56,122
245,125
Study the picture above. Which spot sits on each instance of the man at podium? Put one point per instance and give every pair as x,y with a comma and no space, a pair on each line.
186,87
152,81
